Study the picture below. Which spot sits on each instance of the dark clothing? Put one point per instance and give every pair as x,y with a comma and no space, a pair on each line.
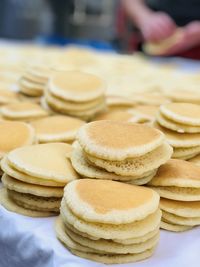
182,11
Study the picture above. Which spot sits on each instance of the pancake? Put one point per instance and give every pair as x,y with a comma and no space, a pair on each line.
76,86
183,113
27,188
137,166
177,140
122,203
184,96
117,116
172,218
46,161
29,88
177,173
7,97
178,127
143,180
149,98
174,227
118,101
24,110
130,140
13,135
56,128
181,208
183,151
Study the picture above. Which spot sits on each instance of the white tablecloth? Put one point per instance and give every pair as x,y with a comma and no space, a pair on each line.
31,242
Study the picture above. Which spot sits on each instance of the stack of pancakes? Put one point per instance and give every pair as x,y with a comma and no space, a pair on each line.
108,221
34,80
181,124
22,111
76,93
178,183
56,128
119,151
34,177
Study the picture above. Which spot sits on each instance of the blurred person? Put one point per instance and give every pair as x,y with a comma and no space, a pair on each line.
159,19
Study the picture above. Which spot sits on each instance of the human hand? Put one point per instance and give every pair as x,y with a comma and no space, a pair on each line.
156,26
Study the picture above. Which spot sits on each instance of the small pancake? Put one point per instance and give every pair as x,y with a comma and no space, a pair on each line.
38,73
188,152
177,140
15,134
122,203
143,180
180,128
10,205
82,166
111,231
174,227
22,110
47,161
117,116
183,113
184,96
27,188
181,208
56,128
178,193
115,100
137,166
147,98
89,253
187,221
187,157
76,86
130,140
27,178
178,173
147,110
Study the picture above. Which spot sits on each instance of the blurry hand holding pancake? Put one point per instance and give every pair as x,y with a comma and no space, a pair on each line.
180,122
122,226
119,151
76,93
178,183
34,178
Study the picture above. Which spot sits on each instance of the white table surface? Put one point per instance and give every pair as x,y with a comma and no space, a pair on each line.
31,242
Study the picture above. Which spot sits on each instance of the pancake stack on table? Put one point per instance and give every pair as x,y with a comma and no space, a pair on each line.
181,124
14,135
34,177
22,111
34,80
178,184
108,221
76,93
120,151
56,128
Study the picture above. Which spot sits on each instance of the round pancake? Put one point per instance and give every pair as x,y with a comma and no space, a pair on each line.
10,205
177,140
29,88
114,259
174,227
196,160
38,73
178,193
111,231
149,98
35,202
22,110
67,106
181,208
178,173
187,157
15,134
27,178
116,100
130,140
135,166
108,246
186,152
82,166
178,127
76,86
37,190
122,203
56,128
7,97
187,221
143,180
179,95
183,113
147,110
48,161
